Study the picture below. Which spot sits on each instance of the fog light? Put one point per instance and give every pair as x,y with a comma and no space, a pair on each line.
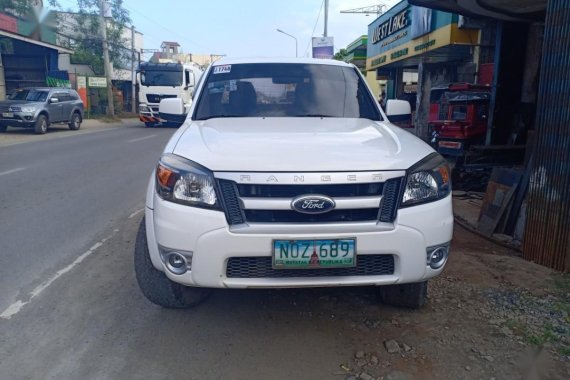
437,256
176,261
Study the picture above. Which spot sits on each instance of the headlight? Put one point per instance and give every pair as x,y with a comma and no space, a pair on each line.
29,109
182,181
427,181
15,109
144,109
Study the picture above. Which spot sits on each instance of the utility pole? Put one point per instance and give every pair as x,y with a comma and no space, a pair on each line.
2,80
326,17
107,63
133,91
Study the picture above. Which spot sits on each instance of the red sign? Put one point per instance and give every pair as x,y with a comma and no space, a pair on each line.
8,23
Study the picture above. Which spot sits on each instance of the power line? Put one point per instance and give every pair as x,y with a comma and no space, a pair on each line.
73,4
315,27
165,28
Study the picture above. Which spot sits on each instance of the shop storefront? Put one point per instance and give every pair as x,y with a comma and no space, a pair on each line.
415,48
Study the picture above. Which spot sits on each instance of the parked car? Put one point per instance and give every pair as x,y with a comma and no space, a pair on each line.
286,173
38,108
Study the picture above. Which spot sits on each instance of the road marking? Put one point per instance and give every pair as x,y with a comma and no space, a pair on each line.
18,305
12,171
136,213
141,138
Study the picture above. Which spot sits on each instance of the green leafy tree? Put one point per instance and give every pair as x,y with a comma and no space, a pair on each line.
86,42
341,55
22,8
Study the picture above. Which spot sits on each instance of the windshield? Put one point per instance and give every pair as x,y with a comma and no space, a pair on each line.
161,78
285,90
29,95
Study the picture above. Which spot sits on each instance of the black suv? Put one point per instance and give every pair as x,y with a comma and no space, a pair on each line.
37,108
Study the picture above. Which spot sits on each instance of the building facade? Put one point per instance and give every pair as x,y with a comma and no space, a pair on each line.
415,48
29,52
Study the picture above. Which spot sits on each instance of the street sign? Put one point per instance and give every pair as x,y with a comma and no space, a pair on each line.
97,82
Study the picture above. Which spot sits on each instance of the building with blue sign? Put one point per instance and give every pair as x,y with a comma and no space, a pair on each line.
434,44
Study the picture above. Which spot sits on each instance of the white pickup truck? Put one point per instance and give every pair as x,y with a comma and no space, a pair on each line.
286,173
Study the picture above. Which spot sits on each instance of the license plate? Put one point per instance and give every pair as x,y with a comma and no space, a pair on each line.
309,254
7,114
450,144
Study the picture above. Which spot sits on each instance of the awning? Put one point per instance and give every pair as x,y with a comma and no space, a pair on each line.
507,10
60,49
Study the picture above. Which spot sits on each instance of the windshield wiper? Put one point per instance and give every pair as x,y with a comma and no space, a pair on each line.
218,116
313,115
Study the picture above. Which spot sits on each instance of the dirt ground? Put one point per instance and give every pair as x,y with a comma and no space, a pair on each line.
490,315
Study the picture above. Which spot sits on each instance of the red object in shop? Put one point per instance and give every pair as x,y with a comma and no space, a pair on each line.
458,117
486,71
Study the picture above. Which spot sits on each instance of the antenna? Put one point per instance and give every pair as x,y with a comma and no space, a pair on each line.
372,9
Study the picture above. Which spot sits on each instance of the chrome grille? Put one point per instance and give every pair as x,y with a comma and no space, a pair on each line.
233,211
261,267
239,207
156,98
291,216
290,191
390,197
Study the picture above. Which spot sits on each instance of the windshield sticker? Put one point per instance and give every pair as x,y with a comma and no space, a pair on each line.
222,69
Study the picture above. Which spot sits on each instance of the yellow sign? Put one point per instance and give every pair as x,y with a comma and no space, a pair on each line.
447,35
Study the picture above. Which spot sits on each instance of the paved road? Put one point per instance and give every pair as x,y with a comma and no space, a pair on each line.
59,196
70,307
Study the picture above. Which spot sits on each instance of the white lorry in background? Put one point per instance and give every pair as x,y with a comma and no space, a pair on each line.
158,81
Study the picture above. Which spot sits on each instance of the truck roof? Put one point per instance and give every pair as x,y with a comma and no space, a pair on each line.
235,61
161,66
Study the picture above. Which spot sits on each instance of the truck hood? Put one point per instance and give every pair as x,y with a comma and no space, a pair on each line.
19,103
297,145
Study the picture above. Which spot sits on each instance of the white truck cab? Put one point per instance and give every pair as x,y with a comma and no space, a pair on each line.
286,173
158,81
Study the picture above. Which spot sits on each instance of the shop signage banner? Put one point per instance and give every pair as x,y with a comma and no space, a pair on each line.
82,88
97,82
323,47
421,21
393,25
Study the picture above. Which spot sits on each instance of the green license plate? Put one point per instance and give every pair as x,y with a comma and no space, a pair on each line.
309,254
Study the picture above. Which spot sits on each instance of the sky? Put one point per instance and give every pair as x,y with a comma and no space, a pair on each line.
245,28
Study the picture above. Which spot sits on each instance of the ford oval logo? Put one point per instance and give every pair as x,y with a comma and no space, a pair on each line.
312,204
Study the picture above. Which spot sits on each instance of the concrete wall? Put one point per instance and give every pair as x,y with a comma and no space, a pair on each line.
430,76
373,83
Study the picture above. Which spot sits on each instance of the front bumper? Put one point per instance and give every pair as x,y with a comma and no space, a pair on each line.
149,114
212,242
19,119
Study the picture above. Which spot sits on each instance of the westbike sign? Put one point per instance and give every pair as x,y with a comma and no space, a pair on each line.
391,26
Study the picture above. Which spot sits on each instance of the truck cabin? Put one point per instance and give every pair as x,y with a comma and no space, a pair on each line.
440,96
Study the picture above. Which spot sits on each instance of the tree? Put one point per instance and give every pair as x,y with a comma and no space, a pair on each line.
86,42
23,8
341,55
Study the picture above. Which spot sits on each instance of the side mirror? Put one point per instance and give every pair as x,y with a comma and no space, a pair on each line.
172,110
399,112
53,100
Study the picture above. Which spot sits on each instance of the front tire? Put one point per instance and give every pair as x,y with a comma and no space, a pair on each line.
149,125
3,128
41,125
412,296
154,284
75,122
